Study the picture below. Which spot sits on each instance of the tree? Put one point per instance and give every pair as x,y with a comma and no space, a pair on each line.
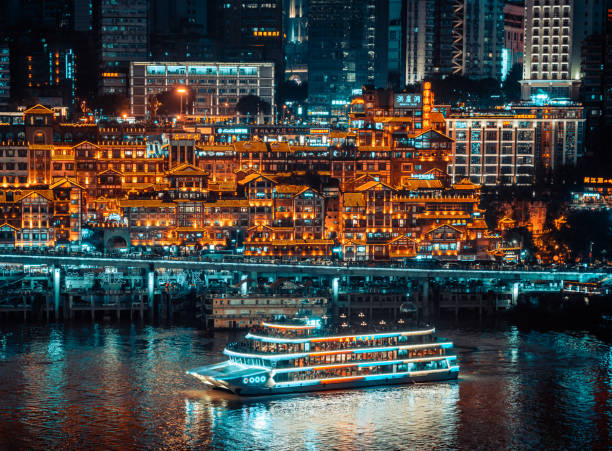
251,105
511,86
585,227
170,102
154,105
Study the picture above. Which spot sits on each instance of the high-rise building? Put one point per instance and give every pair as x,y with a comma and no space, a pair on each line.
51,71
249,31
82,15
462,37
121,26
596,89
396,39
483,39
554,32
514,35
295,27
43,68
347,48
428,39
5,74
178,31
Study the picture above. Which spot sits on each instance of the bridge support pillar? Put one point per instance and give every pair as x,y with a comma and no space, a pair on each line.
57,278
335,290
425,298
151,287
515,293
244,286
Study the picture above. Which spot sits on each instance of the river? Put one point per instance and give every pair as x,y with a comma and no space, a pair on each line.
104,386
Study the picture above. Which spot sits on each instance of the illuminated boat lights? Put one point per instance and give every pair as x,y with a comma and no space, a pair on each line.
339,380
363,364
360,337
290,326
445,345
251,336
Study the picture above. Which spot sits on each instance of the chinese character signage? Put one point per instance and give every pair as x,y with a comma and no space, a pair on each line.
407,100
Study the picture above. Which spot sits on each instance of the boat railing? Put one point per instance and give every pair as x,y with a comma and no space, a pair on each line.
338,330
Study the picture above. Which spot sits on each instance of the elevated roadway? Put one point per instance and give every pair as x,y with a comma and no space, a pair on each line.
302,268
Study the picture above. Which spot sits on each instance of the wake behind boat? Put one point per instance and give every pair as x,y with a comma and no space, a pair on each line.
287,356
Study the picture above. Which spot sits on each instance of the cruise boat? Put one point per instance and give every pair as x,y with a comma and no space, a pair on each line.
299,355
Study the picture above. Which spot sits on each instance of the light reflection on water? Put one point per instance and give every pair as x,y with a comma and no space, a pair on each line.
102,386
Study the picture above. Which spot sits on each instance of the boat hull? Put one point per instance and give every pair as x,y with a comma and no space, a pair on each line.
312,386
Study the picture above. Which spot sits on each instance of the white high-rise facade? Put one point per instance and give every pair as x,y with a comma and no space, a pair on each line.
554,31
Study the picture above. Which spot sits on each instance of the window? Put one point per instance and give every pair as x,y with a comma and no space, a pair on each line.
202,70
247,70
156,70
177,70
228,70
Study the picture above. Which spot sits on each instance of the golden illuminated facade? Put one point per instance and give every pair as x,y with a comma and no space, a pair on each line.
376,192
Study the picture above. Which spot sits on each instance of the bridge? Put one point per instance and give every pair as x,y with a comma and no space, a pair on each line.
332,271
68,280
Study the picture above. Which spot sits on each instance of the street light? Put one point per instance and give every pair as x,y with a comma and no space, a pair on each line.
181,90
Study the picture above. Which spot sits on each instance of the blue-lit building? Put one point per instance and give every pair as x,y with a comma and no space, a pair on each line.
5,74
347,49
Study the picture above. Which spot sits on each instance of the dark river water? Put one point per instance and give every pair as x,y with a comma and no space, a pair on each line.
102,386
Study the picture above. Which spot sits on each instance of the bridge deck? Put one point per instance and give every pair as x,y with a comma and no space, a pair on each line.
298,268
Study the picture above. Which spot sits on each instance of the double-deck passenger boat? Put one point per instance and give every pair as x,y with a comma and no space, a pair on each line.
301,355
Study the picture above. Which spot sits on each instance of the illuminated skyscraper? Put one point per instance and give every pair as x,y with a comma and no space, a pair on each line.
463,37
483,39
295,28
428,39
347,48
554,31
121,27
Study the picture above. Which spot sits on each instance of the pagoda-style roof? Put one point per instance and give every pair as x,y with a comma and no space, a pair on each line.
374,185
254,176
466,184
416,184
186,170
65,180
39,109
85,144
6,224
113,171
250,146
47,194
